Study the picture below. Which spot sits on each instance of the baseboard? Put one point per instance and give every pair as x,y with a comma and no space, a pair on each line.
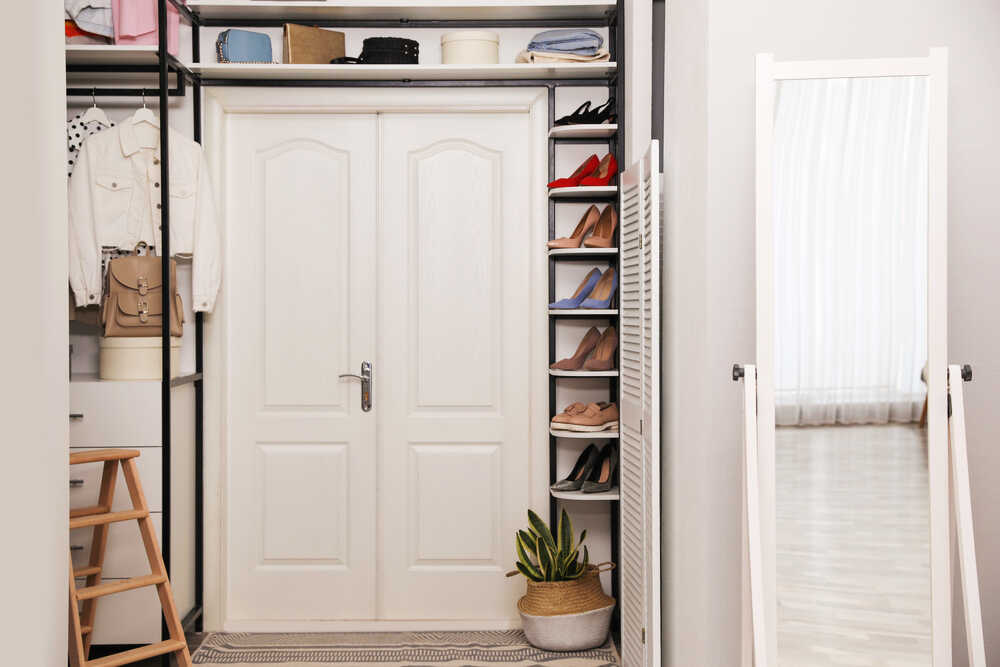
370,626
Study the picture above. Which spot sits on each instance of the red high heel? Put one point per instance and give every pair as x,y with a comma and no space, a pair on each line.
605,171
584,170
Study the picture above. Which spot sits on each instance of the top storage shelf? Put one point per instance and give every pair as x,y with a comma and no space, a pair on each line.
439,10
106,54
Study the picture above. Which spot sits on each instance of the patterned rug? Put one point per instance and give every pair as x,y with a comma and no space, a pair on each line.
390,649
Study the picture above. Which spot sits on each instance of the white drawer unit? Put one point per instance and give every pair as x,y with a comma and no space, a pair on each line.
85,482
129,618
105,413
125,556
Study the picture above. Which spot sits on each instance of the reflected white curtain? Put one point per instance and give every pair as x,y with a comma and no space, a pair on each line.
850,223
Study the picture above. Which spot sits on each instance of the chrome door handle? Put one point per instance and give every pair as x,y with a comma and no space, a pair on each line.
366,384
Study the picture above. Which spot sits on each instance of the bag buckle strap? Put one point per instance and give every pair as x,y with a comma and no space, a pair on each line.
143,285
143,311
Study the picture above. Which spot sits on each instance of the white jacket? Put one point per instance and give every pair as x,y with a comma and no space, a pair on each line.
114,201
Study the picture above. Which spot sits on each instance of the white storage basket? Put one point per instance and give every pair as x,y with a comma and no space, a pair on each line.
470,47
137,358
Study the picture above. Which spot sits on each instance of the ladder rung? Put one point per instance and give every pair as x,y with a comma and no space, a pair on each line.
87,571
98,455
107,517
87,511
120,586
136,654
85,629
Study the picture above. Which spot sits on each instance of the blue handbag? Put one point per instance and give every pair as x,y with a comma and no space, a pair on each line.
243,46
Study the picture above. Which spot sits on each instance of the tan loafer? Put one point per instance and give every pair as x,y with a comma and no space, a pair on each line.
595,417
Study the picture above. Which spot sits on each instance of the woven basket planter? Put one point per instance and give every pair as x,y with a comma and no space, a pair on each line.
567,615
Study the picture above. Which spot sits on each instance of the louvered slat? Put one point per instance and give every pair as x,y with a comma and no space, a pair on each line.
630,440
651,253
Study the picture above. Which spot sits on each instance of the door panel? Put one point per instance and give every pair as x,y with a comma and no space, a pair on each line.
301,503
454,294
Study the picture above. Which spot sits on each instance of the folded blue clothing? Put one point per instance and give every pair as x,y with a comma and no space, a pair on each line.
579,41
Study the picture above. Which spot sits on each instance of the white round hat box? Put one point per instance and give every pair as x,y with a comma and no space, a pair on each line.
137,358
470,47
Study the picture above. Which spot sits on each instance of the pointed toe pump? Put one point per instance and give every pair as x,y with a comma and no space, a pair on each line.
602,174
602,358
589,166
590,340
582,470
604,229
603,293
605,472
582,292
588,222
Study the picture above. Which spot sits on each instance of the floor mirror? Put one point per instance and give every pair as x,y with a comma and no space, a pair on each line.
852,360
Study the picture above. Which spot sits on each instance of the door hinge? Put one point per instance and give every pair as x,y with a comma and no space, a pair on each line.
644,635
640,427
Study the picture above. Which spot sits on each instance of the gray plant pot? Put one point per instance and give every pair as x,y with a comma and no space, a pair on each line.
568,632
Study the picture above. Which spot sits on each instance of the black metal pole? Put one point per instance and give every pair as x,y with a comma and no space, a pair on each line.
168,288
199,388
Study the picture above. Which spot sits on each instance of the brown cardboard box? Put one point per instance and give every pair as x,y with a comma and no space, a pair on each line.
306,45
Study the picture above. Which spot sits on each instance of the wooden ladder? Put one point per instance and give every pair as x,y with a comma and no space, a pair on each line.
83,601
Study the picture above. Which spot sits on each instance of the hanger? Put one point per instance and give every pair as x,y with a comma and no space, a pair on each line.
95,113
145,115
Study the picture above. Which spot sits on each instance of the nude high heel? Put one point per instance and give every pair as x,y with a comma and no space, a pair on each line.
604,229
590,218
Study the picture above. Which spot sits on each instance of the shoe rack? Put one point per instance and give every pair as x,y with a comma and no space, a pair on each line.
598,137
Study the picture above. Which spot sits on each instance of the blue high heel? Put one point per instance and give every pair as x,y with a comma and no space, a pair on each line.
581,293
603,292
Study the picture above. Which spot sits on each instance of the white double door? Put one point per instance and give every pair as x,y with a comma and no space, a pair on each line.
401,240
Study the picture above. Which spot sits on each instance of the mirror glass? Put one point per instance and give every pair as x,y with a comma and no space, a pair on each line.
850,213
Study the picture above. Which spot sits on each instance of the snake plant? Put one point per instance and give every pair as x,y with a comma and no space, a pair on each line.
544,557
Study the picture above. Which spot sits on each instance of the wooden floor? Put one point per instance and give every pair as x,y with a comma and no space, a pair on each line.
853,550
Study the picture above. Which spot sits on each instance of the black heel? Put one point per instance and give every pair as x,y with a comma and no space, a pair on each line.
576,117
606,113
605,474
582,470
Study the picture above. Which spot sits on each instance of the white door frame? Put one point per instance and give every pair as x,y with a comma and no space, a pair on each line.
935,68
220,103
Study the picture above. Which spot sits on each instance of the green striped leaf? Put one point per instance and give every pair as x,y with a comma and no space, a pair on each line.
565,530
529,572
546,563
523,550
541,530
529,542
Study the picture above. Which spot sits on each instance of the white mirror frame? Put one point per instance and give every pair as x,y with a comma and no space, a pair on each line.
935,68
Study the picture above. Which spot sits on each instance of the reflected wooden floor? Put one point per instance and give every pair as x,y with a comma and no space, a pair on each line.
853,549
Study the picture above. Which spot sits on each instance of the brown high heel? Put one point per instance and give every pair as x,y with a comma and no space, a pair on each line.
586,346
603,356
587,222
604,230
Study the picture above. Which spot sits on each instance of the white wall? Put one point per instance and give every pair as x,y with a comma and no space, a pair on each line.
34,423
709,271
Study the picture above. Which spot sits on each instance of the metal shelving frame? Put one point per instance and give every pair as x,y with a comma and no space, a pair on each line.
169,66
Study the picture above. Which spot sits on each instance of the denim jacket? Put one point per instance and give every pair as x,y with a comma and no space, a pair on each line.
114,201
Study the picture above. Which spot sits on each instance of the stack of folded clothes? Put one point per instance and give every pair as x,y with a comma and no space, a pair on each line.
567,45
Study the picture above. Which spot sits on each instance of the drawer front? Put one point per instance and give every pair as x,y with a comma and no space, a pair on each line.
85,482
132,617
125,555
114,414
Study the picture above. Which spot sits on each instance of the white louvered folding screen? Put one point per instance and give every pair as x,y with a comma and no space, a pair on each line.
639,321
